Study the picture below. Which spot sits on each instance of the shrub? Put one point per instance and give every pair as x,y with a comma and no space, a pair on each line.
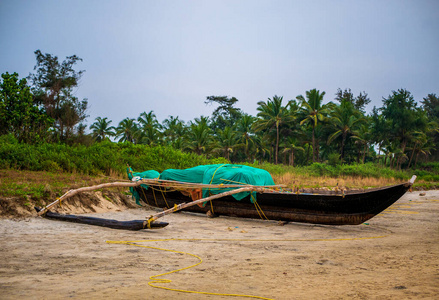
100,158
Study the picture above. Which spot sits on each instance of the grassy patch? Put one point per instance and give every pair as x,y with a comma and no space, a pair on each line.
40,185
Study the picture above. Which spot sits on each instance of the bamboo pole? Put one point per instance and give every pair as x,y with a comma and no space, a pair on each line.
147,223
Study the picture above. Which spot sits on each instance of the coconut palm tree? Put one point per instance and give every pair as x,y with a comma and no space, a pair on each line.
312,112
424,150
174,130
149,129
379,130
292,146
272,115
246,136
226,141
362,137
127,130
199,136
345,119
263,146
101,129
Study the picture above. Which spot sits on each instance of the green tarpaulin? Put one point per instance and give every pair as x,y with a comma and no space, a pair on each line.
215,174
150,174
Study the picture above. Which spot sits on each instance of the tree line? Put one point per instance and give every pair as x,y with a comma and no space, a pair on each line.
297,131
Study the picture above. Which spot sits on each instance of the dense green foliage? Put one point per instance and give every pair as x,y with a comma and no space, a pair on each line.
18,114
99,158
301,132
111,158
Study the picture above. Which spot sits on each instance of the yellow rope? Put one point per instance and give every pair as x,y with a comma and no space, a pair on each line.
258,208
164,198
233,181
144,195
261,211
153,193
211,207
215,173
148,224
155,280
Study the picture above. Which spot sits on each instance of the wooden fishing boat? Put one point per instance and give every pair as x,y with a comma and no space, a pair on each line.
331,208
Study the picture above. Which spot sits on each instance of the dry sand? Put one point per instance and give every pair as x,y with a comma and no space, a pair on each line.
394,256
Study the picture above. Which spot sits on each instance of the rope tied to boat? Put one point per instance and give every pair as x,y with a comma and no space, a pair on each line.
259,209
211,207
148,222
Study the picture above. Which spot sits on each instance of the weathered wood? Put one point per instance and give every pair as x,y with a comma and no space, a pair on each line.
153,218
115,224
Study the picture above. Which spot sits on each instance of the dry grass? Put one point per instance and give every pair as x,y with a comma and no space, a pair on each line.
346,182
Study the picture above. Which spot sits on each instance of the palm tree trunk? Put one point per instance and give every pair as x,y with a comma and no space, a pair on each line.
342,147
277,144
399,161
379,152
307,154
364,153
313,144
416,159
411,156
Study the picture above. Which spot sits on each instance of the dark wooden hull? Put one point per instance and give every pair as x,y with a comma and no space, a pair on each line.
331,209
115,224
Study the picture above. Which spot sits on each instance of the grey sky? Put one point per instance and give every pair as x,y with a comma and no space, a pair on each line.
167,56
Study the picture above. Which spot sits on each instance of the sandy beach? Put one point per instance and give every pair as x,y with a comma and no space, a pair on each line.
393,256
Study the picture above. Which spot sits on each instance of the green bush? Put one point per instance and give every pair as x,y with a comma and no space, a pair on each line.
109,158
99,158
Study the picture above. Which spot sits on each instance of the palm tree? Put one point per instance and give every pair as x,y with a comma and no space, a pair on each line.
379,130
344,119
263,145
101,129
199,136
174,130
272,115
245,133
424,149
149,128
226,141
127,130
292,145
312,111
363,138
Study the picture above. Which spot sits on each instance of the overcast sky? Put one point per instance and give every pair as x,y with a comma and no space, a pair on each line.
167,56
